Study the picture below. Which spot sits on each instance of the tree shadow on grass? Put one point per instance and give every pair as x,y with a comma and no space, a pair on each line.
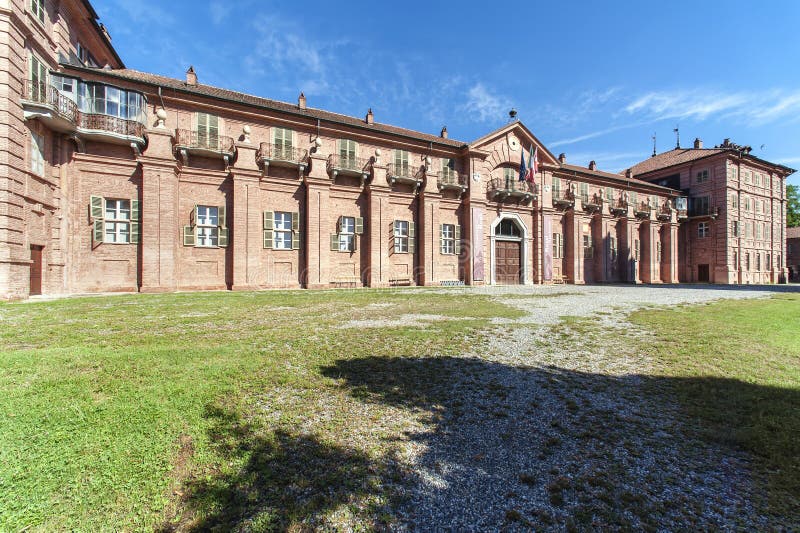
509,448
286,481
515,447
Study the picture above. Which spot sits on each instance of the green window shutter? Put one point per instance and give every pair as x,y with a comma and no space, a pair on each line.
441,238
295,241
412,242
334,242
359,225
268,240
222,221
295,222
458,239
96,205
354,247
135,210
222,240
99,231
194,217
412,231
269,220
188,236
339,224
136,230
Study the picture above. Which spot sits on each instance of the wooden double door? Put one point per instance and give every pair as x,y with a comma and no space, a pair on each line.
508,262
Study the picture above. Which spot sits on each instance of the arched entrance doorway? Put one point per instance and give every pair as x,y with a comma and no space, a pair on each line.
508,251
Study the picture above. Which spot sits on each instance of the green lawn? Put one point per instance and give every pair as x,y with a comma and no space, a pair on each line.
210,410
116,410
735,366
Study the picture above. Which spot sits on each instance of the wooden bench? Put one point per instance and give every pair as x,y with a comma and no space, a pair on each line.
559,280
397,282
451,283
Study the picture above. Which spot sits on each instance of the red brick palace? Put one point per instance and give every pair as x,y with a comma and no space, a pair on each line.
118,180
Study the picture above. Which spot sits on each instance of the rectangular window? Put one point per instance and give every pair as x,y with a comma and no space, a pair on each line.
400,236
282,141
734,201
348,152
757,179
612,249
558,246
509,176
117,221
747,261
584,192
37,8
207,131
700,206
448,239
758,261
448,170
702,176
556,187
207,226
282,230
37,154
401,166
654,201
588,250
659,253
768,259
636,250
609,194
736,229
347,234
702,230
758,230
38,78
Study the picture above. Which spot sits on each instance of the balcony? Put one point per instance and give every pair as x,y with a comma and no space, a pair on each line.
348,166
501,189
61,114
592,203
664,213
642,210
563,199
190,142
452,180
703,211
282,156
618,207
405,173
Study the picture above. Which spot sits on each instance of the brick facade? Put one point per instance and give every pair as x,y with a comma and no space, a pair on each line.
282,188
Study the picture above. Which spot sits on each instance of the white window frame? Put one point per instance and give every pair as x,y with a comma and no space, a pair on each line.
282,230
206,226
38,9
347,234
37,153
117,221
401,234
209,133
283,142
702,230
558,246
588,246
702,176
448,239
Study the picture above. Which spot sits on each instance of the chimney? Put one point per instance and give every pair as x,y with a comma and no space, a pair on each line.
191,76
562,158
592,165
698,144
629,174
370,117
443,134
726,143
301,101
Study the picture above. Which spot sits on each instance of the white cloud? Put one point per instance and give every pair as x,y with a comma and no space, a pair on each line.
594,134
485,106
753,107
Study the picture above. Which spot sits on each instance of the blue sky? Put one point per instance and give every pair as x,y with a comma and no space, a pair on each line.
591,80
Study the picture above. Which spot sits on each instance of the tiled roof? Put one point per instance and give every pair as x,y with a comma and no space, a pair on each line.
225,94
612,176
673,157
793,233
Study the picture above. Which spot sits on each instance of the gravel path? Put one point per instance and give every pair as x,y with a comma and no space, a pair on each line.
550,427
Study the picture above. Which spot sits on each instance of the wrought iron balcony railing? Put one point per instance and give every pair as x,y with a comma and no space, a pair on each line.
195,140
450,179
502,188
404,173
592,203
642,210
276,152
350,166
563,198
47,95
618,207
107,123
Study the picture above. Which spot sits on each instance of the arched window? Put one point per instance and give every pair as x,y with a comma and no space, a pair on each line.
508,228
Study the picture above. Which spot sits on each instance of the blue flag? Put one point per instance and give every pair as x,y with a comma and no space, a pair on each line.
523,171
